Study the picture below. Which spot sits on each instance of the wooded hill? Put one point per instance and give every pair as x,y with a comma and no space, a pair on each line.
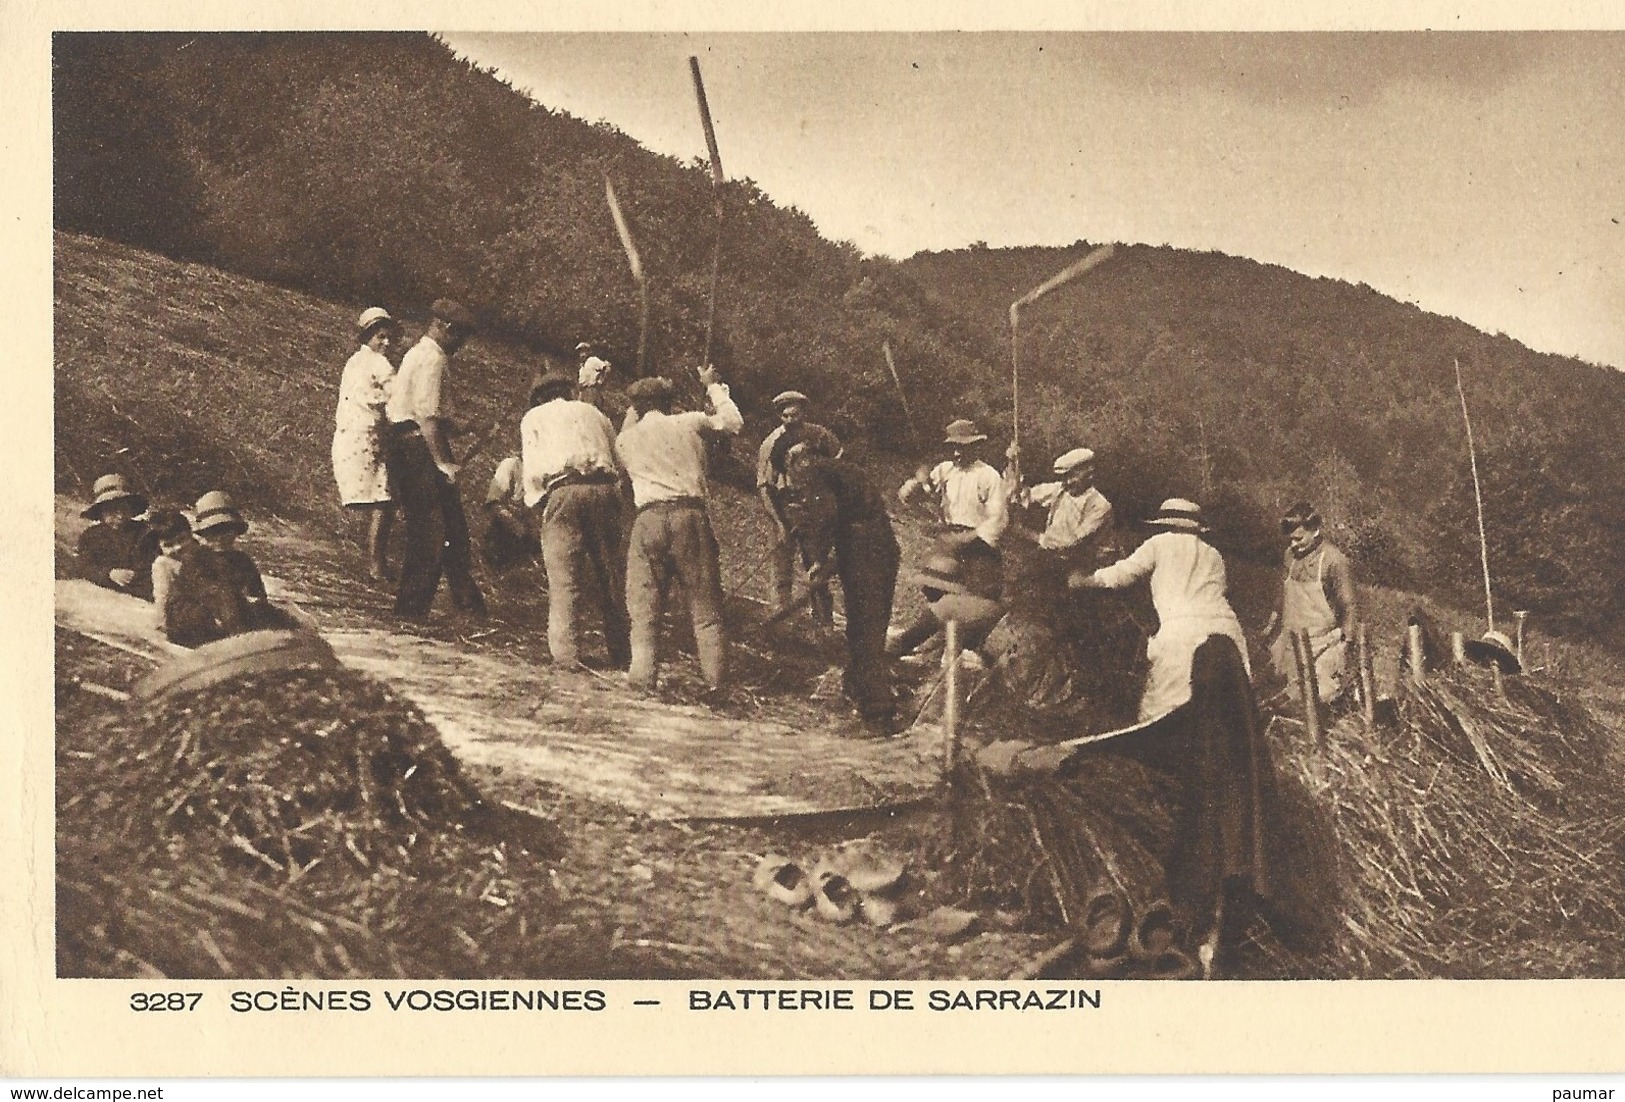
380,168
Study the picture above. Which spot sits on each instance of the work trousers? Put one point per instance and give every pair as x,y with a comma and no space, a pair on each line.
866,559
584,551
784,555
674,539
435,532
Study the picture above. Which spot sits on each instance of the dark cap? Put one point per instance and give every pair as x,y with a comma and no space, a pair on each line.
651,390
454,313
549,385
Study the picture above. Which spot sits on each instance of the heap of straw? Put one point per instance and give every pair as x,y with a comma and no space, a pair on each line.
300,823
1480,836
1082,853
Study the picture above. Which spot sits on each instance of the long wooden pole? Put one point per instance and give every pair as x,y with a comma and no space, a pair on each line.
902,396
1015,377
1066,275
636,264
1478,499
716,194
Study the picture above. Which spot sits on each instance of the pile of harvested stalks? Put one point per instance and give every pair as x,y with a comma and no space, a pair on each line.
1083,854
1481,836
300,823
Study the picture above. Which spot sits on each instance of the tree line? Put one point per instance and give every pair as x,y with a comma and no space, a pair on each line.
384,168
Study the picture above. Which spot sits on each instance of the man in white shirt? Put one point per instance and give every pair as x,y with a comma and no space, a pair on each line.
592,373
663,453
572,480
424,472
1076,514
1187,581
972,503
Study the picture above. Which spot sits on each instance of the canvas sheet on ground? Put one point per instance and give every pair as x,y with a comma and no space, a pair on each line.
1294,236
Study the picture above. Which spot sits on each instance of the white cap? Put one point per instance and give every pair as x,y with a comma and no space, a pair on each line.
371,316
1077,457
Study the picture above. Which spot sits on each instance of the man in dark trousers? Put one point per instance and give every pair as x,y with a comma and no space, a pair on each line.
772,486
425,474
845,530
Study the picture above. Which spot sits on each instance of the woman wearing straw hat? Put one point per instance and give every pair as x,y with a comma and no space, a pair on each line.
358,433
1187,580
117,550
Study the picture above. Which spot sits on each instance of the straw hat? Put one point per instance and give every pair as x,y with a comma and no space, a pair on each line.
1179,515
963,431
215,511
790,397
108,489
584,346
1070,461
942,571
1493,647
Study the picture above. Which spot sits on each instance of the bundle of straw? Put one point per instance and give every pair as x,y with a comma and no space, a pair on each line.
1481,837
302,823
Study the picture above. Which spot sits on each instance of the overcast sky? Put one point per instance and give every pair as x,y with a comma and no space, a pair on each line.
1480,175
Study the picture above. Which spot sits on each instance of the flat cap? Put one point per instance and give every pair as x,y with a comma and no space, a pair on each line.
1067,462
453,312
789,397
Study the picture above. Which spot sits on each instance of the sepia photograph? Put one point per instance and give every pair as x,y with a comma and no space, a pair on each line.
1019,513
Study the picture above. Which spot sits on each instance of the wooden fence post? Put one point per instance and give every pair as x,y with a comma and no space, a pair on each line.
1367,675
1458,648
1413,639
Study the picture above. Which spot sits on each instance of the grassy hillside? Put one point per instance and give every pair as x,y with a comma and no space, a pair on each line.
1249,386
380,168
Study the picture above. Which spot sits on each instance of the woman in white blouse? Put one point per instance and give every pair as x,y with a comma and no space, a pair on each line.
358,440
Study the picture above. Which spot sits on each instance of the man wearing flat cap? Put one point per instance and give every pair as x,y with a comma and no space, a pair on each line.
773,487
1075,513
972,503
572,485
663,453
424,470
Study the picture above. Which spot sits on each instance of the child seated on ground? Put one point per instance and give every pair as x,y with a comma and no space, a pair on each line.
117,550
174,535
217,590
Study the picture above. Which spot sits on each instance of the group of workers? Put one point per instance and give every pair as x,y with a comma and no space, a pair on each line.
576,478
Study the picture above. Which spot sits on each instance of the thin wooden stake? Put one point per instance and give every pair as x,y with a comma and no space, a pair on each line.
950,704
1519,616
1478,499
1413,638
1368,680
